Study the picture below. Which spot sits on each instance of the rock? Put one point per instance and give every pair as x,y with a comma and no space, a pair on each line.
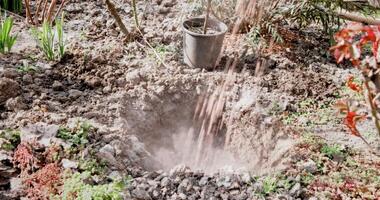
107,89
27,78
68,164
223,181
296,190
310,166
164,10
246,178
93,82
74,94
15,104
115,175
16,184
8,89
203,181
182,196
57,86
165,182
178,169
41,132
107,149
168,3
141,194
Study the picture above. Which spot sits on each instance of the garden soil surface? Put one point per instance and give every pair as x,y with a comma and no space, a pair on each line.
142,107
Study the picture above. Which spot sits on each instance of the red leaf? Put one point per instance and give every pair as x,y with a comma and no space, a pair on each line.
352,85
350,122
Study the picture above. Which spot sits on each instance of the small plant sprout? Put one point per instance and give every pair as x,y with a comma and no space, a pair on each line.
61,42
47,36
6,39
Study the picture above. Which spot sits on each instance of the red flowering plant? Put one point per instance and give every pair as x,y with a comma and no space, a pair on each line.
359,44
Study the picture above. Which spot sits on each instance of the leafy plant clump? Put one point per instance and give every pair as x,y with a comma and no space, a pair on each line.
6,39
75,187
9,139
78,137
46,38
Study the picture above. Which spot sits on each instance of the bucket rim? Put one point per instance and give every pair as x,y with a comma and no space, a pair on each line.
222,24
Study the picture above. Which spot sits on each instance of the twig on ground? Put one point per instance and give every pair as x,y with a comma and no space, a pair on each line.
116,16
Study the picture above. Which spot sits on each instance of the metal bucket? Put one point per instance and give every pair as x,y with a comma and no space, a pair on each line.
202,50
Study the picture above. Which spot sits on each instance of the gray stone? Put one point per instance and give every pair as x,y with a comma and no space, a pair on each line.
115,175
139,193
296,190
42,132
16,184
203,181
310,166
246,178
107,89
75,93
182,196
68,164
165,182
27,78
57,86
108,148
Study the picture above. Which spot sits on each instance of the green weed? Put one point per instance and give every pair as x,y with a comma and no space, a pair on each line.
9,139
269,185
75,187
92,165
6,39
332,151
77,137
26,68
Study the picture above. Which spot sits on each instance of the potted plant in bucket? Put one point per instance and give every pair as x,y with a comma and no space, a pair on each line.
203,40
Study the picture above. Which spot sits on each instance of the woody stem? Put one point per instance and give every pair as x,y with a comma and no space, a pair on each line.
372,106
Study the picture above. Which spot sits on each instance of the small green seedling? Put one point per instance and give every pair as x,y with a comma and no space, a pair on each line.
45,38
6,39
26,68
61,43
332,151
269,186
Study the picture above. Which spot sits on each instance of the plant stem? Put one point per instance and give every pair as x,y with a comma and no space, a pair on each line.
59,9
135,13
372,106
113,11
27,8
207,16
51,11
